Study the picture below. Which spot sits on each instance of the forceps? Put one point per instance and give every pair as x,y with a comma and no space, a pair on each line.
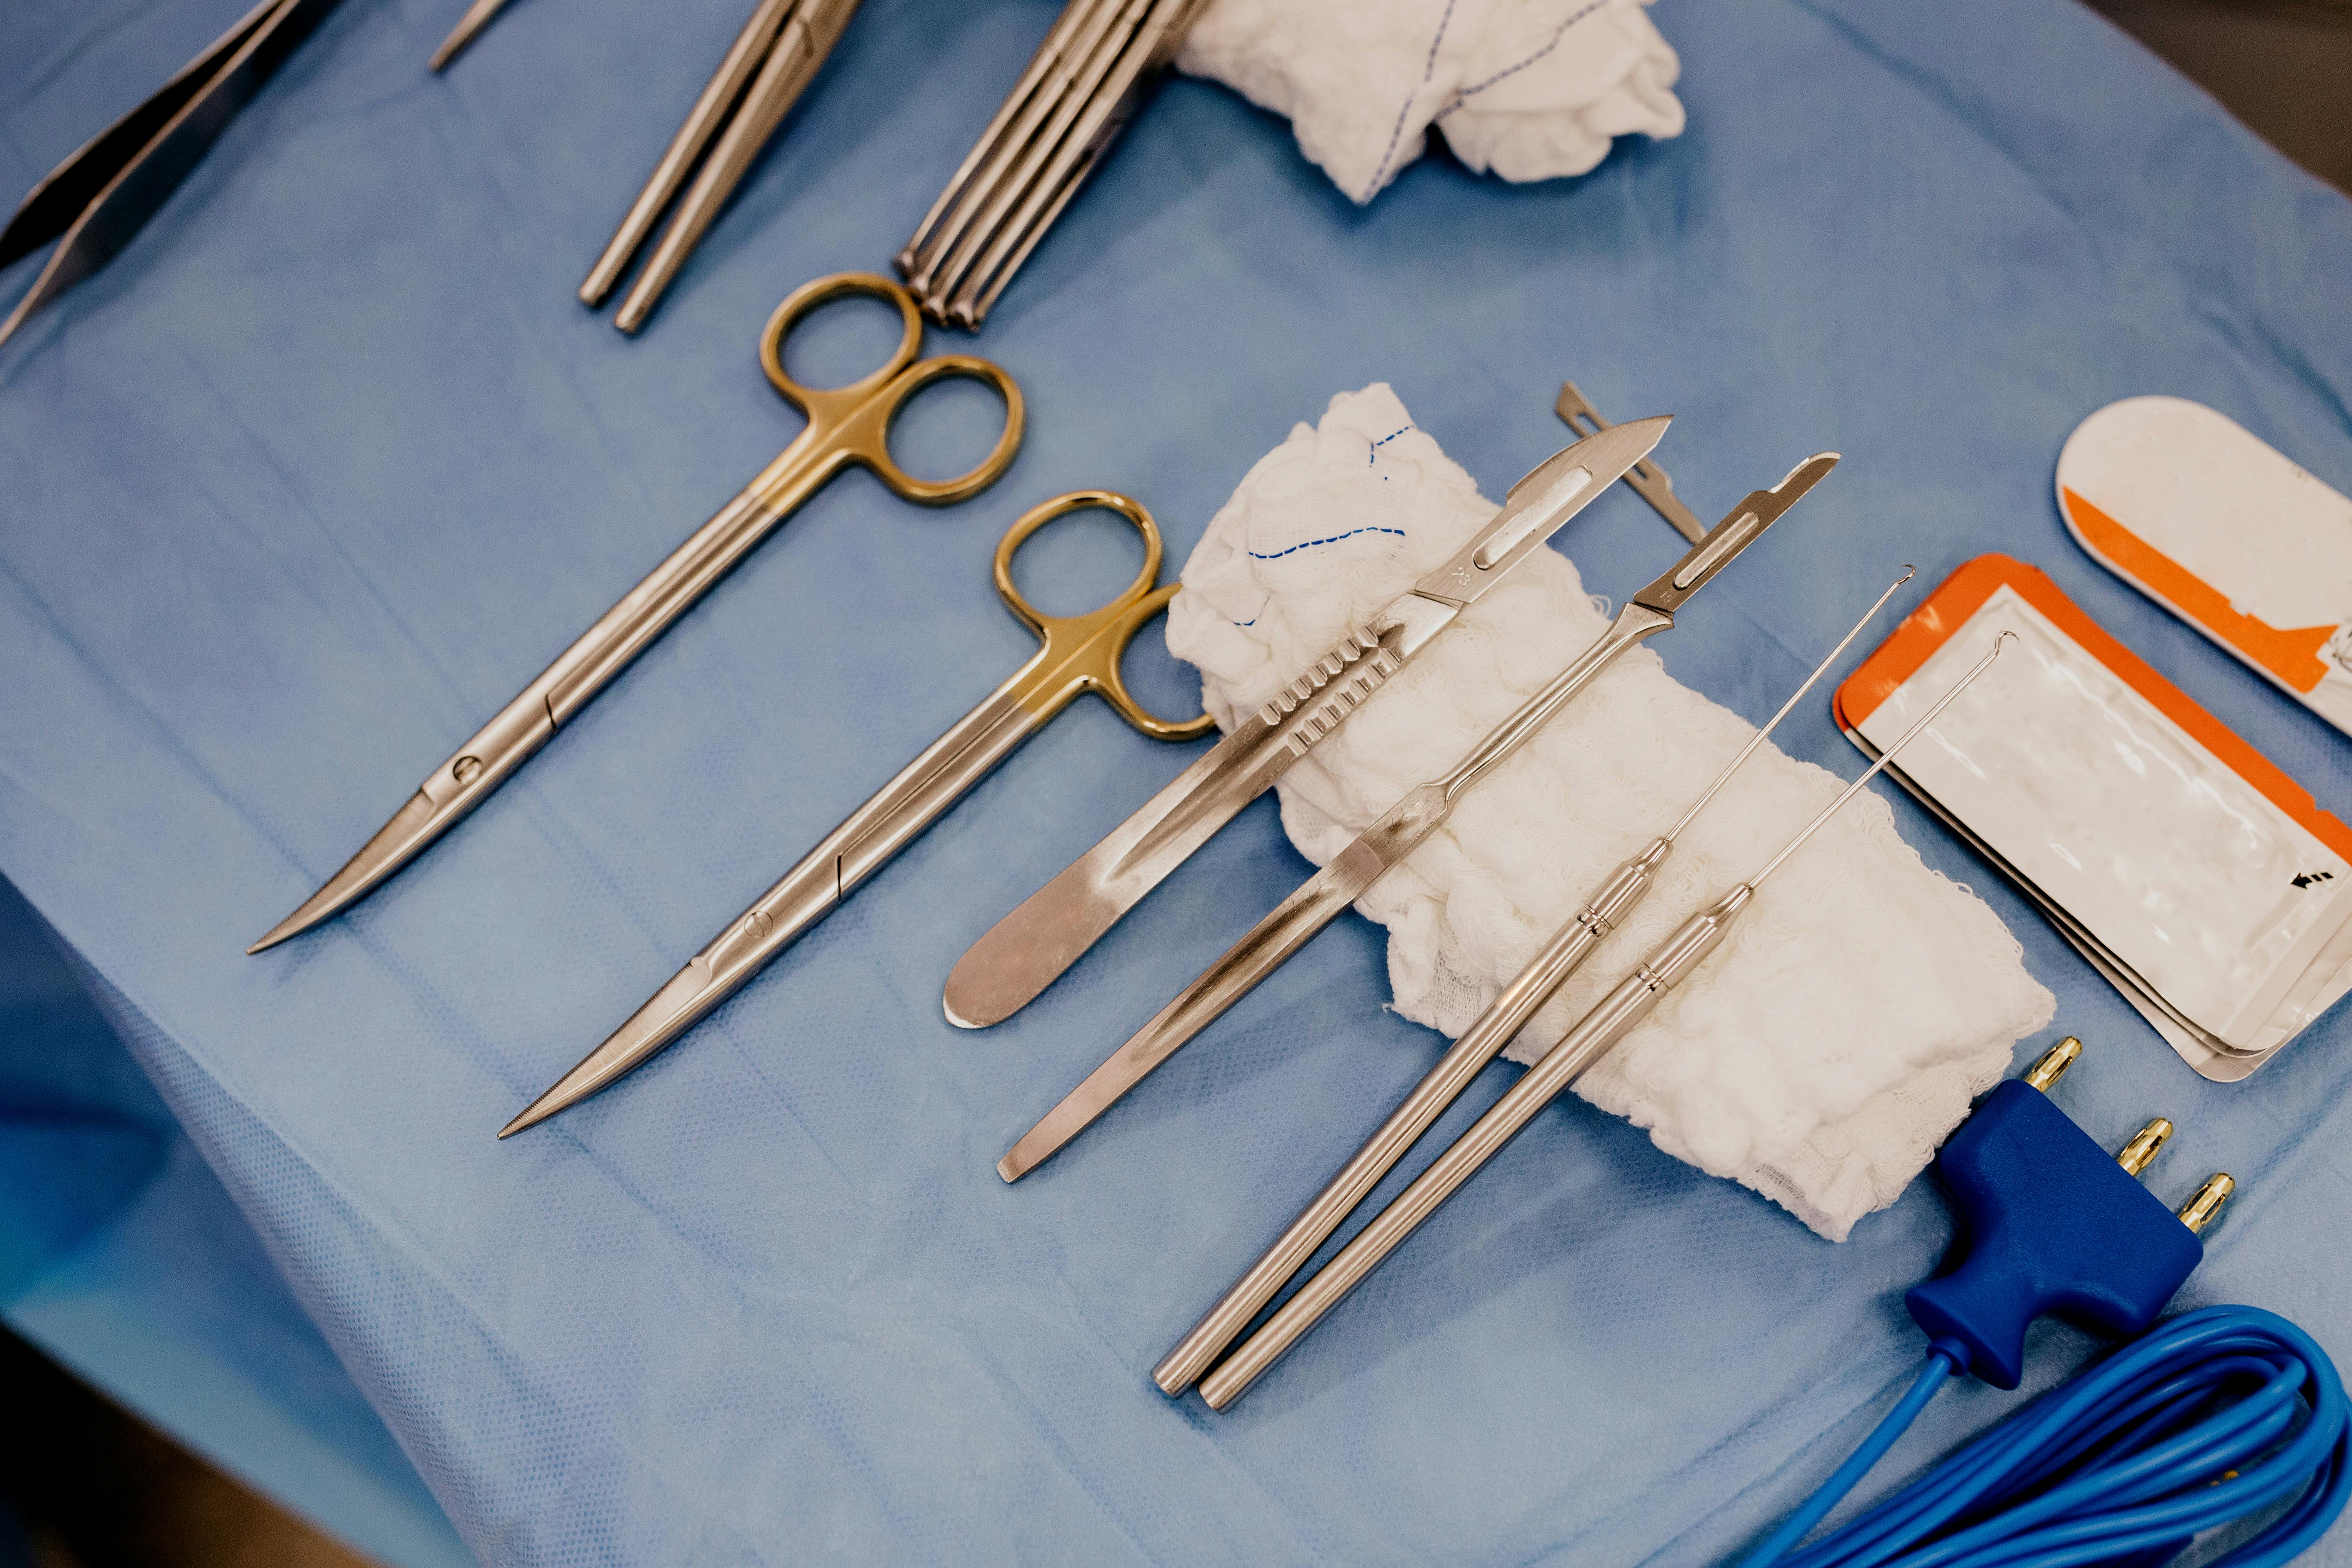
1479,1044
1398,830
1610,1020
1079,91
1081,653
765,70
846,426
101,195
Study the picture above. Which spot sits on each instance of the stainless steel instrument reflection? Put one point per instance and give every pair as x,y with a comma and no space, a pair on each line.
1480,1043
1081,653
1608,1021
479,16
1650,481
1028,949
847,426
1085,81
1402,828
112,183
763,74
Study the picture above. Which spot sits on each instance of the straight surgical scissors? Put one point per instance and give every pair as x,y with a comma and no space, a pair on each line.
1081,653
846,426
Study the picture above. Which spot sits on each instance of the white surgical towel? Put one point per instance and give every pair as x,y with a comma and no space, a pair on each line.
1863,1000
1529,89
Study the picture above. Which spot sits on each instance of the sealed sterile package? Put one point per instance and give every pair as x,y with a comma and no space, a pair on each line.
2226,533
2192,872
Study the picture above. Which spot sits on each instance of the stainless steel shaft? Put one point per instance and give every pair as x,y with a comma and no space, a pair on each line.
1479,1045
1581,1047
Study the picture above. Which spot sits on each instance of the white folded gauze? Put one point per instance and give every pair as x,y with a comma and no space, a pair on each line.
1859,1005
1529,89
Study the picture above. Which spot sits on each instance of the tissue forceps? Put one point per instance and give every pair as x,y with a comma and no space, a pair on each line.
111,184
1080,653
1085,81
1027,950
1479,1044
762,75
1400,830
1594,1036
847,426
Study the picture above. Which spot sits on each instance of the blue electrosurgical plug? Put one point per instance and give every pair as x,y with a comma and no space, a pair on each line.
2050,1222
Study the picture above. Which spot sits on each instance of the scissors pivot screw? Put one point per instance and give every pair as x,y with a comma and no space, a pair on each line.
466,770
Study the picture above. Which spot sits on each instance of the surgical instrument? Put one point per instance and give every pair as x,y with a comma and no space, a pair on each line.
1098,64
101,194
846,426
1481,1043
1400,830
1025,952
766,69
1081,653
1608,1021
479,16
1650,481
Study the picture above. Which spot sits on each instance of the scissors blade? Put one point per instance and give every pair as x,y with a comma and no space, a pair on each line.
448,795
1026,950
1269,945
922,791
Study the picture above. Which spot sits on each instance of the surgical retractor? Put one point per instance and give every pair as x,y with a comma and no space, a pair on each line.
1608,1021
1479,1044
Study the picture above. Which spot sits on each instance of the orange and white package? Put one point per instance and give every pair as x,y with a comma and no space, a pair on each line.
2219,528
2186,867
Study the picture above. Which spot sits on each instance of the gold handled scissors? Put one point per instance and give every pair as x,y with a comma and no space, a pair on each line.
1081,653
847,425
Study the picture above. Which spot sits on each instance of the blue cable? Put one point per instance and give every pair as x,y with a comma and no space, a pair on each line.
2216,1416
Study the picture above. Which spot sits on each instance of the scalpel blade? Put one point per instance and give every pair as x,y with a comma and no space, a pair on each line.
1028,950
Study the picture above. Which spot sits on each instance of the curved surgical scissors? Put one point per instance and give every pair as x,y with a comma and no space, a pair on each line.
847,425
1081,653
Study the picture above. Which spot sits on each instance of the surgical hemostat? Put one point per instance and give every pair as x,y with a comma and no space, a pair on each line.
1078,93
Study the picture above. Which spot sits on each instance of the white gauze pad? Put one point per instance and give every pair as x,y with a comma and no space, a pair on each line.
1860,1003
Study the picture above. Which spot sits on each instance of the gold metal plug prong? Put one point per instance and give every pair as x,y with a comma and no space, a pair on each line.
2206,1206
2135,1155
2044,1074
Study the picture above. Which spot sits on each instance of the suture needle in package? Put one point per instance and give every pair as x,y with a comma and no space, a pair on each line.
2192,872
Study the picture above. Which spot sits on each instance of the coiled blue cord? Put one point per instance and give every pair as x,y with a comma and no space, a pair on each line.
2215,1415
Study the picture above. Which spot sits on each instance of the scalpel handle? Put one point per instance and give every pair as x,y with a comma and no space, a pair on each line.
702,125
1267,948
1028,950
1594,1035
1480,1043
